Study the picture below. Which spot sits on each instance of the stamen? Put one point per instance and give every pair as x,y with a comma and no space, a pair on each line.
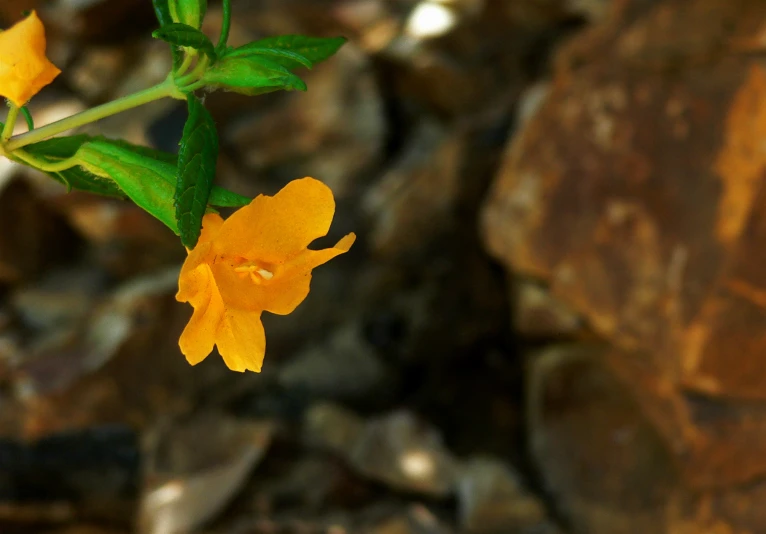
256,272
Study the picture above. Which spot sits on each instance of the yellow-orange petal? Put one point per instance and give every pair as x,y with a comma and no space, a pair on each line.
241,340
274,228
189,282
283,293
24,69
200,334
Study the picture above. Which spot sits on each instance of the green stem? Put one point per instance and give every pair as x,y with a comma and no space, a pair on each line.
194,86
184,65
165,89
225,25
10,122
43,165
196,73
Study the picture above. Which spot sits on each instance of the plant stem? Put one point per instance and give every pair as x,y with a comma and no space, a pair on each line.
10,122
43,165
165,89
184,65
225,25
196,73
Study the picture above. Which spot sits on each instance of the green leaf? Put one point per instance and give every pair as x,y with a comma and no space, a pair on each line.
224,198
163,163
178,34
162,11
313,49
285,58
251,76
59,148
196,171
190,12
146,181
218,195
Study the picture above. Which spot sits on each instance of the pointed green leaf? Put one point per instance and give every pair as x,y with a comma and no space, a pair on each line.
178,34
218,195
162,11
145,181
314,49
163,164
196,171
223,198
251,75
190,12
286,58
60,148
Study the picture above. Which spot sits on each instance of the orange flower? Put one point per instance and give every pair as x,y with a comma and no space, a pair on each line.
24,69
256,260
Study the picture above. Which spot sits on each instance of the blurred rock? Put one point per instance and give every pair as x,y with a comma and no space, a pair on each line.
308,134
345,367
603,462
59,300
406,454
537,314
417,520
55,362
122,366
124,240
606,465
397,449
11,10
492,500
39,238
193,469
414,200
459,44
659,253
332,427
96,72
154,65
95,464
99,20
311,485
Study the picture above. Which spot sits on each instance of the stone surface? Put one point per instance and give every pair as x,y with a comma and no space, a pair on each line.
604,462
411,330
537,314
634,190
345,367
492,499
40,236
195,467
405,453
607,468
396,449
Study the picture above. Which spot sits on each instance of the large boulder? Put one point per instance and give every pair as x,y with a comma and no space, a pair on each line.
636,190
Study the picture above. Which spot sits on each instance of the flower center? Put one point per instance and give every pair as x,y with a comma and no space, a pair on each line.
257,272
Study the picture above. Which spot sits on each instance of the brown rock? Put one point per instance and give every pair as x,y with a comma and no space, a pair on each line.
308,134
608,469
39,238
492,500
194,468
605,463
635,191
537,314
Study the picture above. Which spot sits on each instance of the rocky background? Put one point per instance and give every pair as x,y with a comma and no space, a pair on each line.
554,320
